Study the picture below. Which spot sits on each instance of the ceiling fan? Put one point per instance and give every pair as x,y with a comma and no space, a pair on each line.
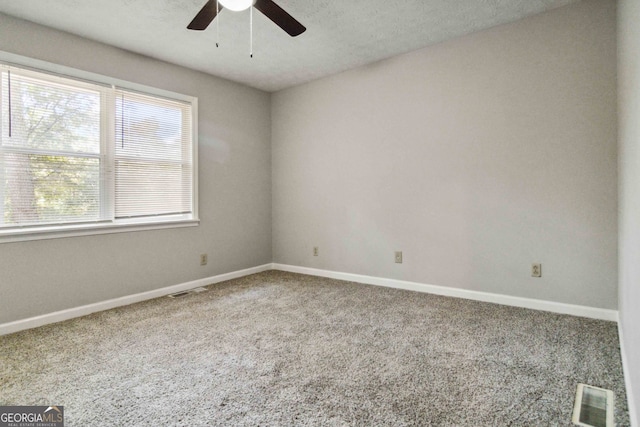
271,10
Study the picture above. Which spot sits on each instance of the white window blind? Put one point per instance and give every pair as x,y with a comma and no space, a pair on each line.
78,152
153,167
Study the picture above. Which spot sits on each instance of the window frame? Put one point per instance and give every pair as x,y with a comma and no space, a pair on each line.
51,231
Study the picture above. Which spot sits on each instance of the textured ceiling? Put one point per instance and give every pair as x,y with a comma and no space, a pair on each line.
340,34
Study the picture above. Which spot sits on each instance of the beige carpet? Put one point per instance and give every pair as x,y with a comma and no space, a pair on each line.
281,349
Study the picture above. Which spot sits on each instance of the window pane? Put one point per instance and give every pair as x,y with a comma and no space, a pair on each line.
153,168
50,189
46,115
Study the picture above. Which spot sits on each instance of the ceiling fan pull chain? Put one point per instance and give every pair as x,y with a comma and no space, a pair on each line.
251,32
217,22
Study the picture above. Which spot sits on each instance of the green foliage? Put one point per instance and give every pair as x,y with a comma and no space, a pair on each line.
66,187
43,188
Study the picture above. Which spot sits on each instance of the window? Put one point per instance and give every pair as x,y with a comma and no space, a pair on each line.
79,155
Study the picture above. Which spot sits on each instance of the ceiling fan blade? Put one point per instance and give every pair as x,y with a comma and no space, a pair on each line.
281,18
205,16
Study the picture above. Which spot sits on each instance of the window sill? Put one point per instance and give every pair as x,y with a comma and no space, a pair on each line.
74,230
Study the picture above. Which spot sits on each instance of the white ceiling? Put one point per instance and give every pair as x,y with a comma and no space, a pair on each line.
341,34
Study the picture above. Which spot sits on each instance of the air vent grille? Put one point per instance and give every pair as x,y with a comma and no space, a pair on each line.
185,293
593,407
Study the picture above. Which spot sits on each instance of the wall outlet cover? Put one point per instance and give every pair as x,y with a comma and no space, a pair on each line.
536,270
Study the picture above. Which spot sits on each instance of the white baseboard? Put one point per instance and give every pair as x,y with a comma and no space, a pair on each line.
631,403
59,316
535,304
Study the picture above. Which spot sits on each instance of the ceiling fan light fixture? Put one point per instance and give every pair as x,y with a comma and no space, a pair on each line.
236,5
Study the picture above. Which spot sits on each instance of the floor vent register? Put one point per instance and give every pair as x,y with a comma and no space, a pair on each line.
185,293
593,407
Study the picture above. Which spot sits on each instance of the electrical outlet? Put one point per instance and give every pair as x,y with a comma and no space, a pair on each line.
536,270
399,257
203,259
315,251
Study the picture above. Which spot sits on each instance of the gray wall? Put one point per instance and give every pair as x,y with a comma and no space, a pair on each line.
235,191
629,160
475,157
